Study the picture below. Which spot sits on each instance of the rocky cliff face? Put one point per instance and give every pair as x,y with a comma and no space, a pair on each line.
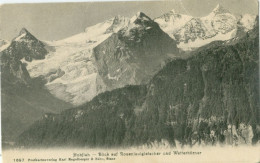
13,70
211,97
26,46
112,54
134,54
23,99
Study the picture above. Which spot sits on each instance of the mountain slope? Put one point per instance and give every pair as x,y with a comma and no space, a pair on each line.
24,104
78,68
134,54
211,97
23,99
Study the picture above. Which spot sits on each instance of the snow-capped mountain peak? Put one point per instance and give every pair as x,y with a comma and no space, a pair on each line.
118,19
139,16
138,25
220,24
22,34
25,35
26,46
24,31
20,37
171,21
219,9
95,34
118,22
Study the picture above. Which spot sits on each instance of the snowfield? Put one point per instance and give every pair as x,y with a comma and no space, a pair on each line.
70,68
192,32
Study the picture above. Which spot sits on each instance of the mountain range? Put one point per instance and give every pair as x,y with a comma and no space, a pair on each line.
193,32
210,98
41,77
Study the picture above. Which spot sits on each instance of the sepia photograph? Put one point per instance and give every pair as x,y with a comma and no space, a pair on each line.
130,81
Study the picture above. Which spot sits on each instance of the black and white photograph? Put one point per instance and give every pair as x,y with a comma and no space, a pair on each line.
137,81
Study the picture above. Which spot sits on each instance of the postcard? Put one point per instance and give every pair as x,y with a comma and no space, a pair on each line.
130,81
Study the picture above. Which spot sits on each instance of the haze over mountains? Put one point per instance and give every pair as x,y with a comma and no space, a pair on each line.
51,76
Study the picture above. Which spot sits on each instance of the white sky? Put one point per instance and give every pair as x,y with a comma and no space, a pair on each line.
51,21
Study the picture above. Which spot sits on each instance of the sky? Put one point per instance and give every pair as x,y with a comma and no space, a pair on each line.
54,21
